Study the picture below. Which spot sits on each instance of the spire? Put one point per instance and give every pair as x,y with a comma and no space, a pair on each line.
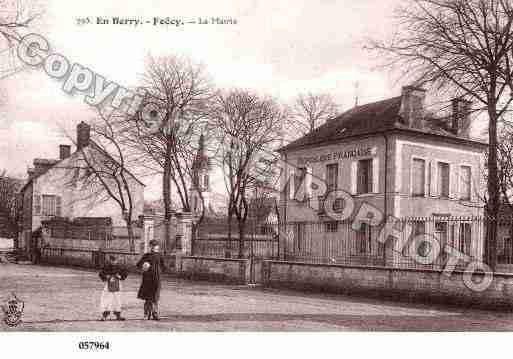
201,160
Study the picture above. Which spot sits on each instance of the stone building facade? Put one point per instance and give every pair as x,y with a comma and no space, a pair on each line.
391,155
51,192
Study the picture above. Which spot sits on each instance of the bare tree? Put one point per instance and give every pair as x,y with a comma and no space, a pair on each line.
9,188
101,171
178,90
247,125
16,16
309,111
463,47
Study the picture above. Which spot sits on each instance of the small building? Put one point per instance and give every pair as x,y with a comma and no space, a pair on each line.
393,156
51,192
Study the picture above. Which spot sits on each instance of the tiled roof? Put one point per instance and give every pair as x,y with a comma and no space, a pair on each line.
376,117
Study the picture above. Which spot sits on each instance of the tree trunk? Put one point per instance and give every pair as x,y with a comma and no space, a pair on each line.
166,194
131,238
241,239
493,190
229,244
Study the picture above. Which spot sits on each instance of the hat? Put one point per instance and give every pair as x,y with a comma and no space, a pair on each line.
153,243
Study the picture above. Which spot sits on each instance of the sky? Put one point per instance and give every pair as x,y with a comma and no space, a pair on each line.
280,48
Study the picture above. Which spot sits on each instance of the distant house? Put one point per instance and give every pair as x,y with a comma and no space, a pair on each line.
50,192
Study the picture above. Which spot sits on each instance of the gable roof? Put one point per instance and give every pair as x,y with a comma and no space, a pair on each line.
56,162
377,117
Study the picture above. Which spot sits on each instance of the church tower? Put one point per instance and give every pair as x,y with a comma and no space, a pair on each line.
200,178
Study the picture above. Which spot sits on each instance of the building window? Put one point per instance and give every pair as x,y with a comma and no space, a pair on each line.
37,205
465,178
332,177
506,254
51,205
363,239
331,227
418,177
364,176
299,236
419,228
299,179
465,238
443,179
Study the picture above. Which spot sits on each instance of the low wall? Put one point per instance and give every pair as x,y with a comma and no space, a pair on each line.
398,284
95,259
215,269
115,244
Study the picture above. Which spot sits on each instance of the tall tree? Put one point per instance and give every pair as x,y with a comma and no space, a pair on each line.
178,91
247,125
100,172
9,188
463,47
310,110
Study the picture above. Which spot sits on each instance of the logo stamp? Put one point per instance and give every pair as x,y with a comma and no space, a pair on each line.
13,310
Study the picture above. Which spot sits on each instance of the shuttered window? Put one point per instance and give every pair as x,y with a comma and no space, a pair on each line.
332,176
418,177
465,178
443,179
363,239
465,238
299,178
364,176
299,236
37,205
51,205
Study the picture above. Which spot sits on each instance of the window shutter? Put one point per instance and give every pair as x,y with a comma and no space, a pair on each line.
465,183
454,174
368,164
58,207
418,177
354,174
37,204
434,176
308,182
375,175
443,181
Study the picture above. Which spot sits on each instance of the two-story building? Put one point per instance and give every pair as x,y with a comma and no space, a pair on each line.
391,155
52,191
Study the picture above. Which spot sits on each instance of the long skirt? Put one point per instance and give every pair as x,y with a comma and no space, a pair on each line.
110,301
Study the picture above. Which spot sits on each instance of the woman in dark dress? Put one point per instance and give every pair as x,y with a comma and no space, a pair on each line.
152,265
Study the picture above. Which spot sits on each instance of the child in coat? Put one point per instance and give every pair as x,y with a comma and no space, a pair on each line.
112,275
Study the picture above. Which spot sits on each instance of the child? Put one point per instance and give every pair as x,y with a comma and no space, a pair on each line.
152,264
112,275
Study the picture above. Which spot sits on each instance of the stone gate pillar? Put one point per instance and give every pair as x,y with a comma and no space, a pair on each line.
184,224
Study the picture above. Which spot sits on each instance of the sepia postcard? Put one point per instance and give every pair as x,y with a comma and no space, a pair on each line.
255,166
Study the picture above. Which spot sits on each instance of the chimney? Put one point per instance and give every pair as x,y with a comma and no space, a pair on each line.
412,106
64,151
83,135
460,125
42,165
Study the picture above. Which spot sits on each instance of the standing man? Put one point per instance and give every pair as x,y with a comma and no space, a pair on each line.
152,265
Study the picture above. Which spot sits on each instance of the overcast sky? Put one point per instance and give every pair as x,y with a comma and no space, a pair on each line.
277,47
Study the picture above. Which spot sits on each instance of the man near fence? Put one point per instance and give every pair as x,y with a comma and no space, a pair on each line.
152,265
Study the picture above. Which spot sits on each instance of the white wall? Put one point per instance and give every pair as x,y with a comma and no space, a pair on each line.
82,200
